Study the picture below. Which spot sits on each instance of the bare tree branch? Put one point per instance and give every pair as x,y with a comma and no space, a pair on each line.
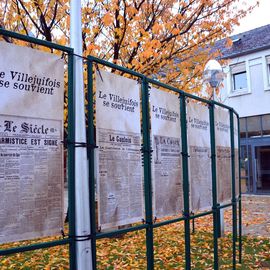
30,17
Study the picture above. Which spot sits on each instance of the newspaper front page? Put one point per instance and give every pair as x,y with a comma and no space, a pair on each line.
223,155
31,153
119,178
198,127
166,162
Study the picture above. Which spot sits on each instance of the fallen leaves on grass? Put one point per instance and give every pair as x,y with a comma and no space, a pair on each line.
129,251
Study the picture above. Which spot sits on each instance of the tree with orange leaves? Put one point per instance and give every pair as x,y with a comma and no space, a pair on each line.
166,39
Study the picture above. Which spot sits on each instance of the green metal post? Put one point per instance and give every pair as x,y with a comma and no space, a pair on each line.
234,210
218,220
91,157
185,179
240,197
71,163
147,175
214,184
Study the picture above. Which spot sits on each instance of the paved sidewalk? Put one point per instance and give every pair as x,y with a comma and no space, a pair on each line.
256,215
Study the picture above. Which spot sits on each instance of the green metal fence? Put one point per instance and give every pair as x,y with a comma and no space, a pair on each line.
150,223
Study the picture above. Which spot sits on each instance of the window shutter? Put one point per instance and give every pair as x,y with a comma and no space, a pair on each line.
238,68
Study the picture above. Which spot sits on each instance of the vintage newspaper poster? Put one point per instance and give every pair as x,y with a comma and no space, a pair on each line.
166,161
223,155
200,176
31,152
119,177
236,154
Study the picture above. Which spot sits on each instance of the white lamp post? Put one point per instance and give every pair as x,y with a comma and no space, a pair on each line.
214,75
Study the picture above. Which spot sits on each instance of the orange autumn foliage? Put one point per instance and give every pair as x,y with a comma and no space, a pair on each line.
164,39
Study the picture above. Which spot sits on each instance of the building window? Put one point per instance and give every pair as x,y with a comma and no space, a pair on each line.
239,77
239,81
268,68
255,126
266,124
243,127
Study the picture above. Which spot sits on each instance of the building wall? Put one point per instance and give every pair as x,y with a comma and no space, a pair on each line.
252,102
255,99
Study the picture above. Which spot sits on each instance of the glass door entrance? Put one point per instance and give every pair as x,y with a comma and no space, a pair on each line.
261,168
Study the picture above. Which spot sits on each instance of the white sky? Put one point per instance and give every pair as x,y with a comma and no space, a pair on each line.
258,17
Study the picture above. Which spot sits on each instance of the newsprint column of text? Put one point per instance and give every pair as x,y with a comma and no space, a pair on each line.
166,162
223,152
31,154
200,177
119,178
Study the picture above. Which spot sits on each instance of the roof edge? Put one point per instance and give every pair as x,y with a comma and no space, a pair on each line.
233,55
